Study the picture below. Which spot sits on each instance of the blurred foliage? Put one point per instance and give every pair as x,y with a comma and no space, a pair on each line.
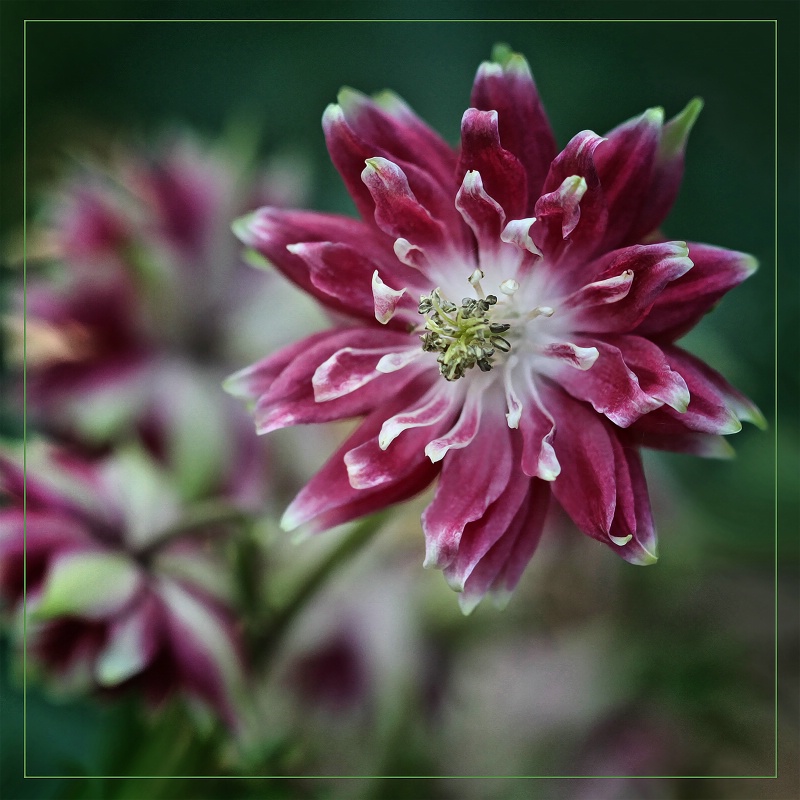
692,635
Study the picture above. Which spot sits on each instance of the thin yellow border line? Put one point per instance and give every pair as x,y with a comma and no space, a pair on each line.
25,399
775,401
340,19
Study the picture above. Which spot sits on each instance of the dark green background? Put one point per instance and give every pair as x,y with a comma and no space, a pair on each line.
137,77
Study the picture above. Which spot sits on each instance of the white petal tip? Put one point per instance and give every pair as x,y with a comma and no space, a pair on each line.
435,452
647,559
385,299
620,541
501,598
548,474
468,603
513,417
290,520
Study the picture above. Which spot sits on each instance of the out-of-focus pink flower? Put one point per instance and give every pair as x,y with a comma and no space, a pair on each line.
511,318
113,598
138,320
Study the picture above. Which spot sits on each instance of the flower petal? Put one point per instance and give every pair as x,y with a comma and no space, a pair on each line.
386,300
508,88
353,138
625,165
206,648
482,213
471,480
380,460
667,173
256,380
652,370
464,431
610,385
715,406
581,358
653,266
269,231
499,571
572,176
601,485
329,498
632,533
340,271
28,541
503,176
683,302
538,428
388,123
291,398
660,431
586,488
432,407
132,644
480,535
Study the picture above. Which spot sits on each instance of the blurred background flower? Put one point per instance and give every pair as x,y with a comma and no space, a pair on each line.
115,588
594,667
138,303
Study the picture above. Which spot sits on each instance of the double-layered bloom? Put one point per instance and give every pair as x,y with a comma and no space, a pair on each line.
114,599
138,314
508,324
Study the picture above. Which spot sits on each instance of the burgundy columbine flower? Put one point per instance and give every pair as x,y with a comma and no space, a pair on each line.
510,316
136,322
109,603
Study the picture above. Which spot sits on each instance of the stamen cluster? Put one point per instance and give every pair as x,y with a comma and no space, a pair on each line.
463,335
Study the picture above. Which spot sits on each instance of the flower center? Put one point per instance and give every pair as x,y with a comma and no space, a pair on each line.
464,336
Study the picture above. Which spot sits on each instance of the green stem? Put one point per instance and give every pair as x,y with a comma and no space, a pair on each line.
351,544
202,516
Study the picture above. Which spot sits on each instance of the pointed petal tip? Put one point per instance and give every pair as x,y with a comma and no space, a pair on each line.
655,116
242,226
733,425
501,598
390,101
752,414
509,60
749,265
435,556
455,581
620,541
501,53
232,385
290,520
255,259
677,130
349,99
468,603
723,450
646,559
435,451
332,115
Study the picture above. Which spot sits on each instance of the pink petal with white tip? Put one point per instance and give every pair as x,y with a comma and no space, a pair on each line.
464,431
482,213
509,89
610,385
470,482
499,571
480,535
654,267
503,176
385,299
